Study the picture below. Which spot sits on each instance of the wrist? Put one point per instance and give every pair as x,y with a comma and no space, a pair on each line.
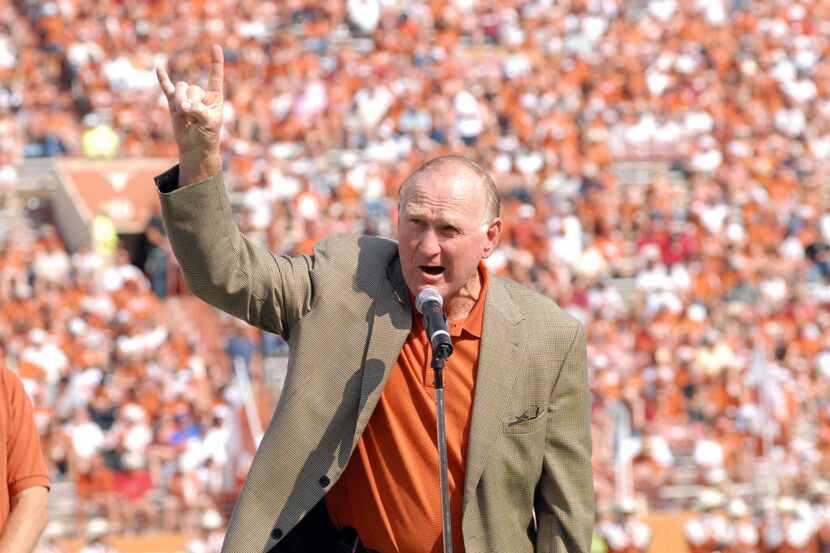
197,167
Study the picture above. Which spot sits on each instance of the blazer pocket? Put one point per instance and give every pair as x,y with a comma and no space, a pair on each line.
528,422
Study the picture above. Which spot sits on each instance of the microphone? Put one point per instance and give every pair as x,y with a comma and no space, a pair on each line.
429,303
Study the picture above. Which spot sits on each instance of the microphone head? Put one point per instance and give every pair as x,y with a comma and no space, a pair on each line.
428,294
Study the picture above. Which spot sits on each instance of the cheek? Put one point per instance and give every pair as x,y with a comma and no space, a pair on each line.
463,256
408,252
454,256
408,248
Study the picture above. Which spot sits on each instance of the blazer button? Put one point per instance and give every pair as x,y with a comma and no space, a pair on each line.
324,481
276,533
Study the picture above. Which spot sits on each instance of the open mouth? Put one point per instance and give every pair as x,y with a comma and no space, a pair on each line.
434,270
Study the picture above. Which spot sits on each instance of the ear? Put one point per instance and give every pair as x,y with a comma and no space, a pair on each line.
491,236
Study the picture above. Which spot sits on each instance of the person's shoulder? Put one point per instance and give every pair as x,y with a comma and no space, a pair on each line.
353,251
533,305
353,243
10,385
8,379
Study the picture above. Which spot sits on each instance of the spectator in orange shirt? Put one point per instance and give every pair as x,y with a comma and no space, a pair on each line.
23,498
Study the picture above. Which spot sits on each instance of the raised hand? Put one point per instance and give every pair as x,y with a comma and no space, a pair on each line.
197,120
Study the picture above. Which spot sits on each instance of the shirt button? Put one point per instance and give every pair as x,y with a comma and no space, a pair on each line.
324,481
276,533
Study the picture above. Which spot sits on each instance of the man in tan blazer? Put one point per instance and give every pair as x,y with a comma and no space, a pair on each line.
346,311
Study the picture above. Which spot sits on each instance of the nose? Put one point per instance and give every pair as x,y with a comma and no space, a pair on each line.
429,246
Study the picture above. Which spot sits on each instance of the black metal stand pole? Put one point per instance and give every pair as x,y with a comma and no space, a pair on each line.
438,362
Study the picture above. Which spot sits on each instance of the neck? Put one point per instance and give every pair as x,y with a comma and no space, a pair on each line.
460,305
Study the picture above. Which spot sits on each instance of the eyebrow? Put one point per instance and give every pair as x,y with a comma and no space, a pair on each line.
441,220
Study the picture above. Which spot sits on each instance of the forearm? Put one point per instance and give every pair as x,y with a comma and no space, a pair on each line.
27,520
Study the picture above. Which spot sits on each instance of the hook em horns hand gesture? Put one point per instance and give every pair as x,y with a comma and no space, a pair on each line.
196,113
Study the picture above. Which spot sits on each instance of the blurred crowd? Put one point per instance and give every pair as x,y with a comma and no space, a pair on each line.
705,286
134,412
727,525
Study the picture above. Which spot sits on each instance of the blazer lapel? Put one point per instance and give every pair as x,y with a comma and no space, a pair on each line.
498,361
389,324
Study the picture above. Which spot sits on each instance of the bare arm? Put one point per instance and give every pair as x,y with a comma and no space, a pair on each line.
28,518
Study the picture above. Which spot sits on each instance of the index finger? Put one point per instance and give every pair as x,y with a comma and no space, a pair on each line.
164,80
216,69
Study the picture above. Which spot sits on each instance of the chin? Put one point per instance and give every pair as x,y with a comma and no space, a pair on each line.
438,286
419,285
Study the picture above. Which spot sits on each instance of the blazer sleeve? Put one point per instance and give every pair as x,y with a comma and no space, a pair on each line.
225,268
564,502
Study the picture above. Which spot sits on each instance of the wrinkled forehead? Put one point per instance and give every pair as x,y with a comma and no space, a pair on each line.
451,188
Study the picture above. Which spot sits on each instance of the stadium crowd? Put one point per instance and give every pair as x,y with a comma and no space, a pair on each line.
705,287
130,407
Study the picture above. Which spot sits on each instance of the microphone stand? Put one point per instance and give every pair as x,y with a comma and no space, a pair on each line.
439,358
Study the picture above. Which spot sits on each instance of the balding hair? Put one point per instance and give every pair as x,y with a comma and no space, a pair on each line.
492,204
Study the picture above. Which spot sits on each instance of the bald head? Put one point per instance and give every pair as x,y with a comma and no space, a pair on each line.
451,164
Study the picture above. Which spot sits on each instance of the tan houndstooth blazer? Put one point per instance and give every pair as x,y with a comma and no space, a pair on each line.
345,312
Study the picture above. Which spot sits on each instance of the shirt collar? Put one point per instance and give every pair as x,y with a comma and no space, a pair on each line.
473,323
